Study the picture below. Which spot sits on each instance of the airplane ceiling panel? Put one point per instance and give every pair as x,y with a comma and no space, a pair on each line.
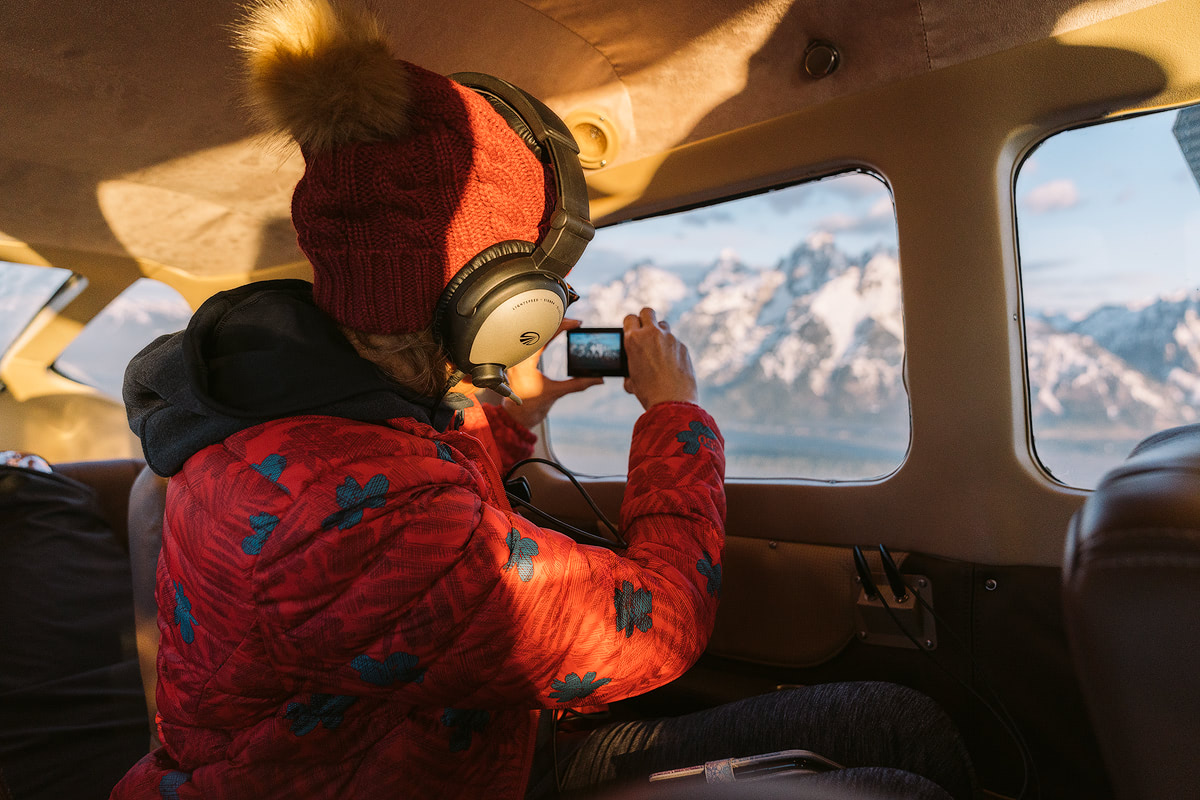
122,133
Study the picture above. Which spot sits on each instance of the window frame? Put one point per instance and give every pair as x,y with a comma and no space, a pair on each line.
1028,151
796,180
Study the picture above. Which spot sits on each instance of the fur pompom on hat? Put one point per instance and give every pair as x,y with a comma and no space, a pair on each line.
408,175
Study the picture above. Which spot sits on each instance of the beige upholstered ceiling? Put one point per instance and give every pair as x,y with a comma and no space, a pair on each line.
120,134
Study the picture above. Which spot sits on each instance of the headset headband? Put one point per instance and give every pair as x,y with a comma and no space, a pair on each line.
570,221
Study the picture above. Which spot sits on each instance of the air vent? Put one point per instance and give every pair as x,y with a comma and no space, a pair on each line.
596,137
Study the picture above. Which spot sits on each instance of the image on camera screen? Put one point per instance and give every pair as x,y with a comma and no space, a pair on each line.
595,353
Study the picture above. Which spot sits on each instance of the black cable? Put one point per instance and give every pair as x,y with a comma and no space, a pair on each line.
574,481
560,715
571,530
1012,728
619,542
864,574
1003,717
894,578
554,749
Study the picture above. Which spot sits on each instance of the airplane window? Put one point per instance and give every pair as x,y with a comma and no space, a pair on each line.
1109,237
24,290
144,311
789,302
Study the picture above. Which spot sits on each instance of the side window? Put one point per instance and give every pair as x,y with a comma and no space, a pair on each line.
789,302
1108,220
24,290
99,354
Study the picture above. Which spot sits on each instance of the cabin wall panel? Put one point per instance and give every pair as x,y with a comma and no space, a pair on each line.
784,603
1006,642
67,427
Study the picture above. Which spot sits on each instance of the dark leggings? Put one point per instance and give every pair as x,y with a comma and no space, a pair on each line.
891,738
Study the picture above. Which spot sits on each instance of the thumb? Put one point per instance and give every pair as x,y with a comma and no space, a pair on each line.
572,385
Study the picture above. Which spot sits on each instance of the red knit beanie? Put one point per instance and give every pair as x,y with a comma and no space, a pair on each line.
408,175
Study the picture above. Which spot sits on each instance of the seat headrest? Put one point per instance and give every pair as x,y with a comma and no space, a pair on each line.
1131,583
1157,487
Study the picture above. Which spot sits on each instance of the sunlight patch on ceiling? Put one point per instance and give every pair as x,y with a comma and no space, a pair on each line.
1093,11
179,229
218,211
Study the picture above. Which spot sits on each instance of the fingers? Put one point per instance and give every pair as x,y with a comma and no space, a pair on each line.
553,390
660,368
572,385
646,318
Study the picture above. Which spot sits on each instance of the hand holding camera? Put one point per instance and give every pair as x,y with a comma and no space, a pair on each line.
539,392
660,369
656,366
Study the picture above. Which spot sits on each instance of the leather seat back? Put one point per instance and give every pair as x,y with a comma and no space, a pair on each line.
111,479
1131,592
147,503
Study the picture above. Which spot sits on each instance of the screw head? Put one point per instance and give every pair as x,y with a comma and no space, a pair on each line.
821,59
990,584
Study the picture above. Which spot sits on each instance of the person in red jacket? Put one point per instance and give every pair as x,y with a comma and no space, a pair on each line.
348,604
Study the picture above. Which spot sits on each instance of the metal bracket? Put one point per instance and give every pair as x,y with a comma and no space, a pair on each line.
876,626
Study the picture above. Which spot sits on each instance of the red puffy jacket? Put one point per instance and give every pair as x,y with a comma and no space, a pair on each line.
353,610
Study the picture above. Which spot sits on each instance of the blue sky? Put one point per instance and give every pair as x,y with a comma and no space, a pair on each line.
1109,213
761,229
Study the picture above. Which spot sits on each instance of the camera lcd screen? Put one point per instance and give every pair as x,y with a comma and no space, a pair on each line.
596,353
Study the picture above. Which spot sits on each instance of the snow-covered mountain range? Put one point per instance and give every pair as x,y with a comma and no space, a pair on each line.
819,336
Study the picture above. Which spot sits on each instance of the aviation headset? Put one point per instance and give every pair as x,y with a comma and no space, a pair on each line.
508,300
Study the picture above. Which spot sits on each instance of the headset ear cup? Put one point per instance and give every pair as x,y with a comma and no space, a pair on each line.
500,308
498,251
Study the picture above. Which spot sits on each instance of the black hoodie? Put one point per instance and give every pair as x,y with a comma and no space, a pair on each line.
253,354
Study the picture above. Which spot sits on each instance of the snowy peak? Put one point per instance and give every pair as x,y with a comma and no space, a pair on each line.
726,317
1078,383
1156,338
812,264
818,325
